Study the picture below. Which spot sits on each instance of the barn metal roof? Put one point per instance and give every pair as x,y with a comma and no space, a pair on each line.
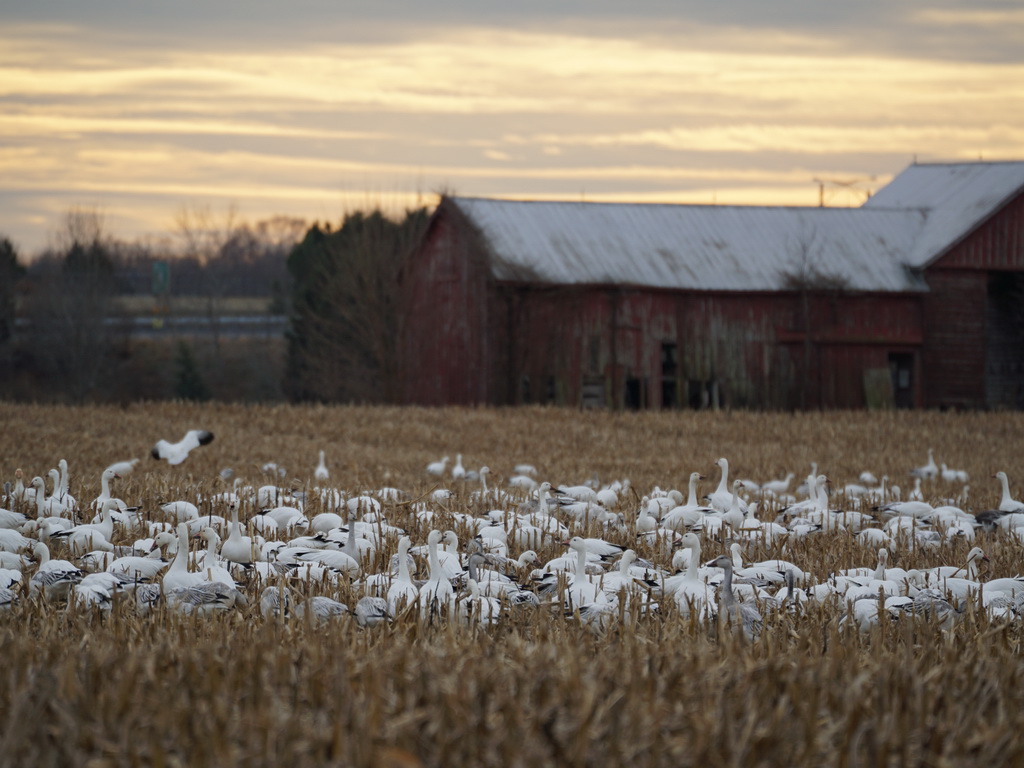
955,198
699,247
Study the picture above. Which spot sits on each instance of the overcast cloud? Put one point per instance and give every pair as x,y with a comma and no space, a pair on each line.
316,108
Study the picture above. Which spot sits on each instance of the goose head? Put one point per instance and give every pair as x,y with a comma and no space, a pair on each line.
690,541
976,554
722,562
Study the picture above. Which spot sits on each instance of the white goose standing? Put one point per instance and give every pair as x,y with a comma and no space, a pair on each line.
1007,503
437,595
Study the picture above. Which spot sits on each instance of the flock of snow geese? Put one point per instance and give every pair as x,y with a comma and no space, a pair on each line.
325,537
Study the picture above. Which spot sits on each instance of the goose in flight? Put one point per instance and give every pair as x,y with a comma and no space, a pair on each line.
175,453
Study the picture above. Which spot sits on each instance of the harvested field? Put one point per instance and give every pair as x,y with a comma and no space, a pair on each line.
88,686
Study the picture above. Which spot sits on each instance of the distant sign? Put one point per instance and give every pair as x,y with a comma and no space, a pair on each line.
161,277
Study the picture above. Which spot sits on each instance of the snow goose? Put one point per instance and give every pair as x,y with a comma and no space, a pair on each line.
237,548
578,492
778,487
581,591
15,560
321,473
203,598
275,603
12,520
181,511
177,575
746,616
1007,503
105,494
372,611
476,608
954,475
8,598
967,571
284,518
212,568
437,468
321,609
690,514
53,578
9,577
493,584
64,496
12,541
45,506
176,453
403,592
691,593
927,471
458,471
930,605
721,498
437,594
916,509
663,502
621,584
145,568
123,468
95,591
82,538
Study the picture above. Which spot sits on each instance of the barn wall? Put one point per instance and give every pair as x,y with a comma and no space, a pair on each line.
618,347
970,359
445,345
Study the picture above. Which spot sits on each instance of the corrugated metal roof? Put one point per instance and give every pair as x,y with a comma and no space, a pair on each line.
955,197
727,248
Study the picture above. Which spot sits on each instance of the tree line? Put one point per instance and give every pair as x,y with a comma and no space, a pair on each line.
66,337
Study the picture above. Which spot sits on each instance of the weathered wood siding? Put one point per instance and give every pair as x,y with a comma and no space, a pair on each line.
445,350
961,350
742,350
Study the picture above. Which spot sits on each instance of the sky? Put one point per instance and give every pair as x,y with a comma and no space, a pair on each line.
143,110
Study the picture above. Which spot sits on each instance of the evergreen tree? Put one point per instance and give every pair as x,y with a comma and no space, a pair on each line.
10,272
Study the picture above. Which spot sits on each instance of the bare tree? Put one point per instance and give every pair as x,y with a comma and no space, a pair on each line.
343,344
204,238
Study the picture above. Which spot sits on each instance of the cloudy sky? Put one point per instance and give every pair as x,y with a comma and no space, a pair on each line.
311,108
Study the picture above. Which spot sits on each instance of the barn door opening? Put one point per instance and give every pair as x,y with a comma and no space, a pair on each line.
1004,341
901,368
669,376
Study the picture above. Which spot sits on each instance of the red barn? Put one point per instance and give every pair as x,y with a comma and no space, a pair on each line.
912,300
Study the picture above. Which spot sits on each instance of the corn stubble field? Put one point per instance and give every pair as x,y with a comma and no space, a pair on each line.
537,688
